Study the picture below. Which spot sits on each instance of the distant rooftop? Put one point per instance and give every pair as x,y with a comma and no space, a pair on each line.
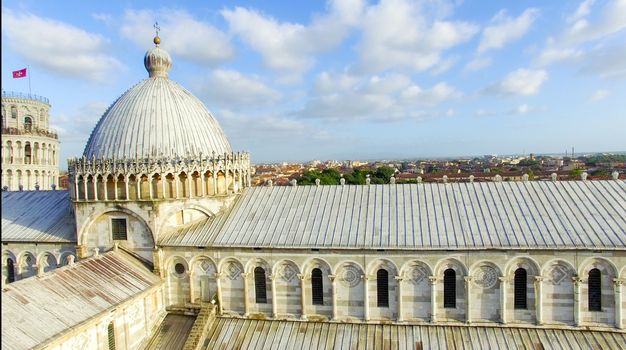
13,94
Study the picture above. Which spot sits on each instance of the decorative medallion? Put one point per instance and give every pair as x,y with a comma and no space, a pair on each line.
205,265
486,277
417,274
557,274
287,273
350,276
233,271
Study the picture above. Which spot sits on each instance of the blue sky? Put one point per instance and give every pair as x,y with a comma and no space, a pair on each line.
342,79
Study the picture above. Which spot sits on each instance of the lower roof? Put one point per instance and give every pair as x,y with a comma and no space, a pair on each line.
494,215
37,309
37,216
231,333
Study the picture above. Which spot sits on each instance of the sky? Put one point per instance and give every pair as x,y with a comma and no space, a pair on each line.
342,79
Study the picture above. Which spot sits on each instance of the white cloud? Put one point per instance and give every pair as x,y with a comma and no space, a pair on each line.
181,35
58,47
582,11
409,34
504,29
289,48
521,82
582,40
522,109
389,97
598,95
478,63
231,89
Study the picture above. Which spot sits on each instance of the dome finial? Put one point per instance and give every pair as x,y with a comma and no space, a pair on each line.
157,61
156,39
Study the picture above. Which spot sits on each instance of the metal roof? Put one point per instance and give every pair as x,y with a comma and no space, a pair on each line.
500,215
155,118
36,309
232,333
37,216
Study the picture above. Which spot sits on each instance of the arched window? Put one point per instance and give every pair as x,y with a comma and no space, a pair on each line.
260,289
595,290
27,153
28,123
520,289
449,288
382,288
111,336
10,270
13,112
317,287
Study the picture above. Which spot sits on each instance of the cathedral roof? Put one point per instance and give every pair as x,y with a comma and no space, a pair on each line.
156,118
37,309
495,215
227,333
22,219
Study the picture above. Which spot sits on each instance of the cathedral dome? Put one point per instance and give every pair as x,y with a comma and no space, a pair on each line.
156,118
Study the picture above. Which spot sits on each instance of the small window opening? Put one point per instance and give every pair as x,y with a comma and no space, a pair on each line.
382,288
10,270
111,336
595,290
520,293
118,228
317,287
449,288
260,289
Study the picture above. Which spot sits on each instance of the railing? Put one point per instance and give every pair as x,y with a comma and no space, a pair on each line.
30,131
13,94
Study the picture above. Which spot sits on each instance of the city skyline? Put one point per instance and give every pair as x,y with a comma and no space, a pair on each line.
342,79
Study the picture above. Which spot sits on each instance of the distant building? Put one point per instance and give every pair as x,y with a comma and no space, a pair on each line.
30,149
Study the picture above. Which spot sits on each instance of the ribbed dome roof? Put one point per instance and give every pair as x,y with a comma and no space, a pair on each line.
156,118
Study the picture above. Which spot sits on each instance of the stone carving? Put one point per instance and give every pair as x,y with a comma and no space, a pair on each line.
350,276
287,273
417,274
557,274
233,271
486,277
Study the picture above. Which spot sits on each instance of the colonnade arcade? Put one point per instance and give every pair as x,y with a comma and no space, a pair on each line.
556,293
158,179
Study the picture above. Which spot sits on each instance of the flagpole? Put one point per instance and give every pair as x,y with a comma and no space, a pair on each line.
28,73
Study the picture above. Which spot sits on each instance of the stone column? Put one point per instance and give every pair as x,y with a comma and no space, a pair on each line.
138,187
214,183
95,187
619,322
333,282
468,299
176,181
218,282
246,301
163,182
433,298
577,306
84,187
366,301
150,186
106,187
539,299
399,283
191,285
126,181
503,313
274,304
302,278
188,182
226,182
115,185
203,185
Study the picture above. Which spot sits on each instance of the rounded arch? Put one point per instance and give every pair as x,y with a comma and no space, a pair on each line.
476,266
531,265
258,262
47,260
63,259
411,265
623,272
199,259
596,262
167,216
383,263
225,263
171,261
7,254
316,262
549,265
447,263
344,263
93,217
283,262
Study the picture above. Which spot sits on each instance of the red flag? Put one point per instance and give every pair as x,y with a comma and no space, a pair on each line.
19,73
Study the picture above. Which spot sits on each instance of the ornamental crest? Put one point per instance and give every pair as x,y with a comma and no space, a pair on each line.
233,271
486,277
557,274
350,276
417,274
206,266
287,273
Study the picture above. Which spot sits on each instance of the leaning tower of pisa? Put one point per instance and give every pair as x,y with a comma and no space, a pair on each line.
30,149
